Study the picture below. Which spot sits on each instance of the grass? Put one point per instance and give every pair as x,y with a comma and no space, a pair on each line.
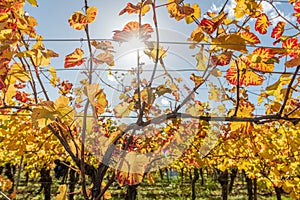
174,189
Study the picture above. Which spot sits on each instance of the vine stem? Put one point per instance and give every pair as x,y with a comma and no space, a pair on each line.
237,89
157,43
83,132
288,91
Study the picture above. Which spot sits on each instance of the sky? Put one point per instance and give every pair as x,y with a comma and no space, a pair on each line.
52,17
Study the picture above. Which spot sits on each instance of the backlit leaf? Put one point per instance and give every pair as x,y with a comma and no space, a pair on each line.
106,57
247,77
17,73
135,9
62,192
97,97
78,20
250,37
91,14
198,80
32,2
179,11
162,89
53,79
221,59
278,30
197,35
133,30
297,6
292,47
74,59
231,41
123,109
195,15
201,59
195,109
262,23
46,112
261,59
151,51
130,170
292,63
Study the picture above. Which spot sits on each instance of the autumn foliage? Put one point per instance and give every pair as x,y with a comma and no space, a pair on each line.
246,60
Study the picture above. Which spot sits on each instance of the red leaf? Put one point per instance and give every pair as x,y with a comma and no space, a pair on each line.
292,47
297,7
246,77
278,30
132,30
262,23
209,26
74,59
251,38
222,59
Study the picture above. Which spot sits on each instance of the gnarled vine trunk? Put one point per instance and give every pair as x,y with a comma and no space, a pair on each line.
223,180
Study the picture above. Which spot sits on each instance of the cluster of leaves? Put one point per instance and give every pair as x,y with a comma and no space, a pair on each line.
37,128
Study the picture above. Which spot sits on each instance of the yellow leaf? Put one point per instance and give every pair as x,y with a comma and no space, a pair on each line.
17,73
201,59
196,14
216,72
64,111
151,51
41,117
53,79
32,2
231,41
197,35
47,111
91,14
195,109
62,192
123,109
61,102
10,93
197,79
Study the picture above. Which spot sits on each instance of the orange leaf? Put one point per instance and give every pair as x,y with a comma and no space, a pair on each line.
222,59
132,30
251,38
74,59
262,23
195,15
177,10
298,16
278,30
209,26
297,7
292,63
261,59
292,47
197,35
135,9
127,178
197,79
91,14
106,57
246,77
78,20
